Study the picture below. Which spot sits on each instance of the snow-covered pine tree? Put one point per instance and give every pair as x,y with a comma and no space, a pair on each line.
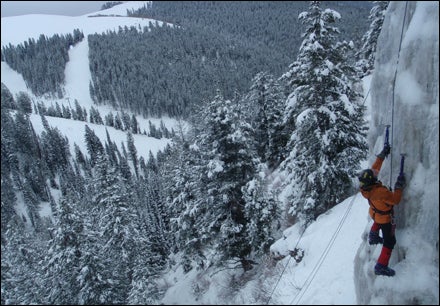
111,148
326,117
55,147
264,107
158,215
94,145
9,166
93,279
62,261
116,229
262,212
22,275
132,152
230,163
147,267
367,53
7,98
79,112
182,170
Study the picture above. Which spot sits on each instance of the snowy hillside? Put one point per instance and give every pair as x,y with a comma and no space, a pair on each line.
15,30
334,262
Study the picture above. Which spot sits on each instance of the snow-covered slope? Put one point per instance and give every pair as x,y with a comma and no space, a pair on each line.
15,30
337,267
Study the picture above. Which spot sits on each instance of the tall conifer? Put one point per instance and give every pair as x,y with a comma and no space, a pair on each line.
324,111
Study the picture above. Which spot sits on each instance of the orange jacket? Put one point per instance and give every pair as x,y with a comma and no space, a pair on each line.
380,198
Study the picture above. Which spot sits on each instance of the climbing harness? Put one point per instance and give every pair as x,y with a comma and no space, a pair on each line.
380,212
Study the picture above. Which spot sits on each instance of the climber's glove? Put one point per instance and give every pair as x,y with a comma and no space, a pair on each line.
401,182
385,151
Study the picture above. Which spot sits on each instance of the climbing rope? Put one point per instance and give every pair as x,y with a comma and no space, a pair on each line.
394,85
320,261
328,246
284,269
366,96
318,265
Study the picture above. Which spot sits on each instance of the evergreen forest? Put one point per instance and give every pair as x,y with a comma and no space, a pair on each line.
259,96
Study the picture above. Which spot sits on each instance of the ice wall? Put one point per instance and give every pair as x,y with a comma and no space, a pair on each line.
409,101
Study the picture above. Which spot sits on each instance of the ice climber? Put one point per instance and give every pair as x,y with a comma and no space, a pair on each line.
382,201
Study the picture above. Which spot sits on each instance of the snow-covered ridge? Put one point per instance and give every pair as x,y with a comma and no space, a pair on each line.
121,9
17,29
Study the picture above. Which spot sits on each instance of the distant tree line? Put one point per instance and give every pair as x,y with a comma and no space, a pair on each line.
272,26
168,70
222,44
42,62
110,4
121,121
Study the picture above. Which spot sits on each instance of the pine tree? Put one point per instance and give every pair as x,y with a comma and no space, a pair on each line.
147,268
66,112
230,164
24,102
155,204
79,111
118,122
58,111
63,257
261,209
94,279
182,169
79,156
132,152
95,116
109,120
7,98
8,198
116,229
328,138
367,54
134,124
94,145
22,275
264,109
111,149
55,147
126,121
9,165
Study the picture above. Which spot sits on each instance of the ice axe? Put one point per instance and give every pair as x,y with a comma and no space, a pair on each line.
387,135
402,163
